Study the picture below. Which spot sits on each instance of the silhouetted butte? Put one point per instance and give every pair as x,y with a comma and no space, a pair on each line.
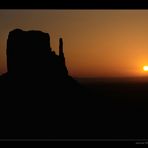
39,98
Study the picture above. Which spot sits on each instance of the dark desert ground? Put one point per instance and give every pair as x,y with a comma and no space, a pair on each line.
121,106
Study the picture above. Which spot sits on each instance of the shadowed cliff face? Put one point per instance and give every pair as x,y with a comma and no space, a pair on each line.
36,92
29,53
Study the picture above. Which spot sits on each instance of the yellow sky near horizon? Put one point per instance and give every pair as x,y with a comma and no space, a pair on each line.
97,43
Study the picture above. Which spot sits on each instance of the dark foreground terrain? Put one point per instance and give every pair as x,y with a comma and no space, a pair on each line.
92,110
120,107
85,110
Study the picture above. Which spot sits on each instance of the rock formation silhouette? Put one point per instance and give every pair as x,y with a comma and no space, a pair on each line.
39,98
29,52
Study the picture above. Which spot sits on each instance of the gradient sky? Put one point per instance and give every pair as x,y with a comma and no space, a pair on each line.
97,43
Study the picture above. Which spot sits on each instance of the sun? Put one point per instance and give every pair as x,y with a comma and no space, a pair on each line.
145,68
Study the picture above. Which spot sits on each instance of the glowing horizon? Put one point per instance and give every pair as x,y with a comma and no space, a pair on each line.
145,68
97,43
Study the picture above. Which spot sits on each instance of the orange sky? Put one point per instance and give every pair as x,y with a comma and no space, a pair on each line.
96,42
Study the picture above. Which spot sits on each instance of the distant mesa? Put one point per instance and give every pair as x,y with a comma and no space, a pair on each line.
36,86
39,99
32,61
30,52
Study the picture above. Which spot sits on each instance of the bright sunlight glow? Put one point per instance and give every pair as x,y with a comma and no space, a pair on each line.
145,68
